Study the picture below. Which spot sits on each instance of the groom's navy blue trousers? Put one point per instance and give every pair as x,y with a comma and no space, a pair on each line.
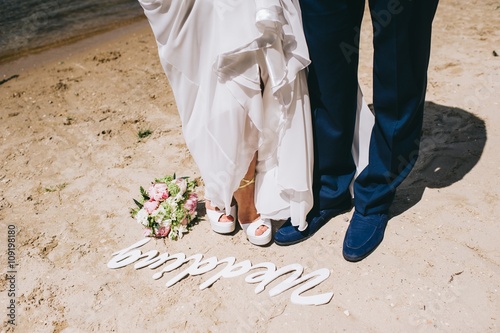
401,40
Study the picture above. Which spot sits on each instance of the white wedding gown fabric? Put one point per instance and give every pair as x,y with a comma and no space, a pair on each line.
237,71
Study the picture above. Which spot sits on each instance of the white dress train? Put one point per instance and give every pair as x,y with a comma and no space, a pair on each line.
215,54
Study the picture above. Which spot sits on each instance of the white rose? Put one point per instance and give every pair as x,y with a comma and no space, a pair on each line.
181,182
142,217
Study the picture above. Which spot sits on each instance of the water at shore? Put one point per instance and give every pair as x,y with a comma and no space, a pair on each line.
30,25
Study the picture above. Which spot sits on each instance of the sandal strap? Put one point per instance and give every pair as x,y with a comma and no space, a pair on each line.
215,215
246,182
253,226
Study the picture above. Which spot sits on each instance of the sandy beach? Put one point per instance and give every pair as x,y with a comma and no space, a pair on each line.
72,161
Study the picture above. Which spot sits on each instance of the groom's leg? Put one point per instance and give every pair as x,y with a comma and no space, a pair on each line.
332,32
402,32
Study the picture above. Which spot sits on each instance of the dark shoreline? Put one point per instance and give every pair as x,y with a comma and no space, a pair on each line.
17,54
21,62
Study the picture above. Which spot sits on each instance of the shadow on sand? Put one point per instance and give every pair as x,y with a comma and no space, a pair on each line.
451,145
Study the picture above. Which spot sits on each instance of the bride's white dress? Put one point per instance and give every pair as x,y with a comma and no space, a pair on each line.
218,54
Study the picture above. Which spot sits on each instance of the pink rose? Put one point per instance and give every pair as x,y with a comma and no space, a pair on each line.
158,191
150,206
163,231
191,203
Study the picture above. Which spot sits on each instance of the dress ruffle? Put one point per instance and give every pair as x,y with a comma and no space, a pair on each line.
215,54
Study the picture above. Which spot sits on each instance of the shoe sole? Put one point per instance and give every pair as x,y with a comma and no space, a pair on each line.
223,229
294,242
259,241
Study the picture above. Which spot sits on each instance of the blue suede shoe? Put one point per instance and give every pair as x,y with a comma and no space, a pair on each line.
363,235
287,234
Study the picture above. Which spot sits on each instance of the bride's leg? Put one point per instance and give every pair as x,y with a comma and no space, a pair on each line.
245,197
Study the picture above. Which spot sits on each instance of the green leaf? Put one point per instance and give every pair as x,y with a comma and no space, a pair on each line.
173,189
144,193
133,212
138,204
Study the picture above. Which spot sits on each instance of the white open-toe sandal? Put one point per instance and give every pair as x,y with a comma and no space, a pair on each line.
251,228
224,227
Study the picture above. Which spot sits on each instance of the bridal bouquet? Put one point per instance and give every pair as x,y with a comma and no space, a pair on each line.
167,208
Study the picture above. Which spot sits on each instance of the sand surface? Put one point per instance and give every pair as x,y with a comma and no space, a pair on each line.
72,162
